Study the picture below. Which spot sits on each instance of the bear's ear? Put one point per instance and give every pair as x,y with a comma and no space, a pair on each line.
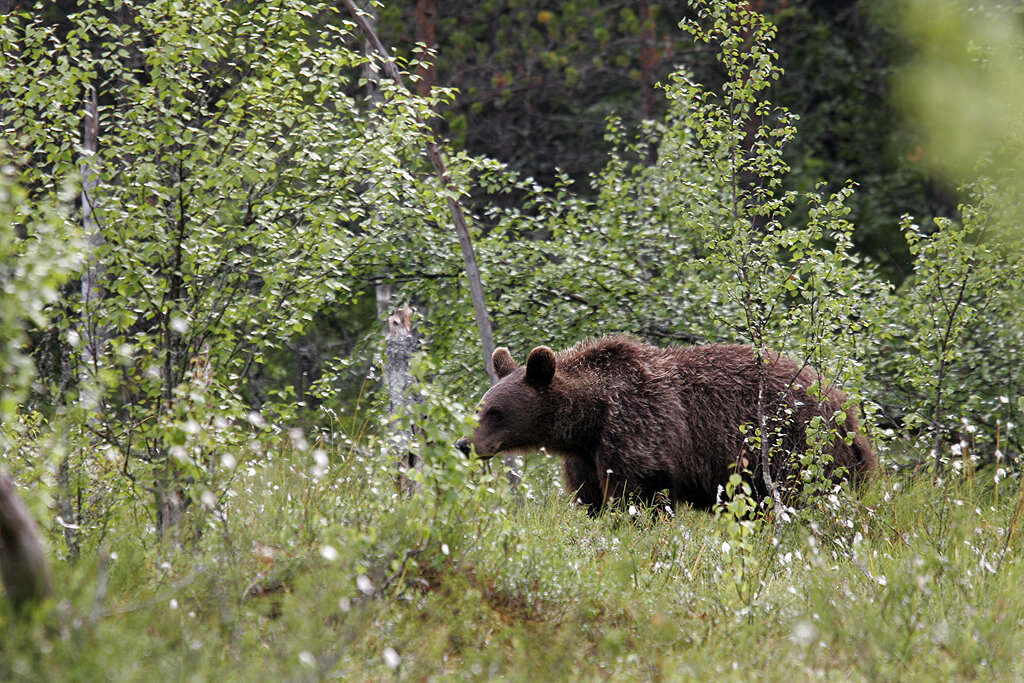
540,366
502,361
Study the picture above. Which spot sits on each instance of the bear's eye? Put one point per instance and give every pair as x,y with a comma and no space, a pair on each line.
493,413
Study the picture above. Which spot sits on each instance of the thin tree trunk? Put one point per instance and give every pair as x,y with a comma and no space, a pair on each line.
90,332
92,288
766,443
68,515
426,35
947,340
170,499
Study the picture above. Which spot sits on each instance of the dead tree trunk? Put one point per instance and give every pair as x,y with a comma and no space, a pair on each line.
23,566
90,331
476,288
401,344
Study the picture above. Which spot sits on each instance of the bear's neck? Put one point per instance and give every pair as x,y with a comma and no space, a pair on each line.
577,426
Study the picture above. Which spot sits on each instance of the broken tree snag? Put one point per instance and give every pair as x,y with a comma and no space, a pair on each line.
26,575
401,344
476,288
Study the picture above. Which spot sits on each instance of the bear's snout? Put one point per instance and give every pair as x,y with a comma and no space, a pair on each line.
463,445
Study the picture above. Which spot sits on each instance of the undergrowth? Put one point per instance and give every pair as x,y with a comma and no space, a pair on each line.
313,571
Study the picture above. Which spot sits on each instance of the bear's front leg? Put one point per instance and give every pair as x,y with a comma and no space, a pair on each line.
582,482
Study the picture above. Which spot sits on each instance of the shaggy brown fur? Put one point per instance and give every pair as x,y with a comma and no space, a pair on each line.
629,419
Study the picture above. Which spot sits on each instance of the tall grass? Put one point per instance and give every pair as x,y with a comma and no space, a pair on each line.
309,572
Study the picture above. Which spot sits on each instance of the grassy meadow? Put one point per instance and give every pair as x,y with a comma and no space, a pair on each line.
307,571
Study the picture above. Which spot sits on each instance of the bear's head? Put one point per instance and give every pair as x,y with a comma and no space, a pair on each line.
516,413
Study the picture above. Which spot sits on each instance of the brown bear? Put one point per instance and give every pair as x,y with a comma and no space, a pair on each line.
631,420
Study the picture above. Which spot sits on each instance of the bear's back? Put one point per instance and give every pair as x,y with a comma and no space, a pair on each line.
727,367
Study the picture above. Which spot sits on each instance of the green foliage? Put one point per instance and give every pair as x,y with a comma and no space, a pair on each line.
35,260
962,301
239,191
537,82
958,331
973,50
739,552
839,62
797,287
621,262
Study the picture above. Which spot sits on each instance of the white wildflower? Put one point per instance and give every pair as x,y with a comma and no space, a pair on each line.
804,633
319,463
298,439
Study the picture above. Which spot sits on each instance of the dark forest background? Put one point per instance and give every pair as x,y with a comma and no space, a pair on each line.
538,80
